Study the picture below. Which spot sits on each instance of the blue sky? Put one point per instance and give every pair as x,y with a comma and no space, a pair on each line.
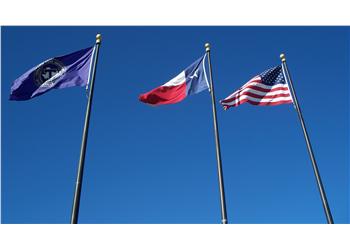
158,165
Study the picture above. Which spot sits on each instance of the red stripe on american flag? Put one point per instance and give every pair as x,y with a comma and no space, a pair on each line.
266,90
258,88
261,97
257,103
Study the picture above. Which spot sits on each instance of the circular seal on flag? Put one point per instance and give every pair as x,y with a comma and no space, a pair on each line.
47,73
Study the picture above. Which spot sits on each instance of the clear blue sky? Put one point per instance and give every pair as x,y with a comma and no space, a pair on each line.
158,165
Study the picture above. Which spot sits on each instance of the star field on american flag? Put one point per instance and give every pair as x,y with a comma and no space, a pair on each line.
273,76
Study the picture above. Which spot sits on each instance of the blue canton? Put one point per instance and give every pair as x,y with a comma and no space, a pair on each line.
273,76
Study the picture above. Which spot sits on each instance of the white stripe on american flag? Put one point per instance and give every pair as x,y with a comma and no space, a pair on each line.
257,83
259,94
241,98
259,90
284,90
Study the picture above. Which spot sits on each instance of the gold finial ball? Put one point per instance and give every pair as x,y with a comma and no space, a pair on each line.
207,46
98,38
283,58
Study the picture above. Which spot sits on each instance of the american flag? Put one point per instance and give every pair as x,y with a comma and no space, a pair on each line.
266,89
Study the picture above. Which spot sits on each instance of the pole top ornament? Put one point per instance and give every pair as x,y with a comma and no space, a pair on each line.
98,38
283,58
207,47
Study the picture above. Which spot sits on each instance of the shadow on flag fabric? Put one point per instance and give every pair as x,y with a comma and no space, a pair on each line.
55,73
190,81
266,89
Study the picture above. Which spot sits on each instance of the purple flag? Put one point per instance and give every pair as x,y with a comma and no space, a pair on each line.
55,73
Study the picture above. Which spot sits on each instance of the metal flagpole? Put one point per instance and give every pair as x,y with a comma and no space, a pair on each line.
76,201
217,142
308,144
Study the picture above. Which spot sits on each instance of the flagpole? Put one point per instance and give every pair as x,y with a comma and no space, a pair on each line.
217,142
76,201
308,143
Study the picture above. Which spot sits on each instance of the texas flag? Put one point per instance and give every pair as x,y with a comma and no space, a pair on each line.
190,81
